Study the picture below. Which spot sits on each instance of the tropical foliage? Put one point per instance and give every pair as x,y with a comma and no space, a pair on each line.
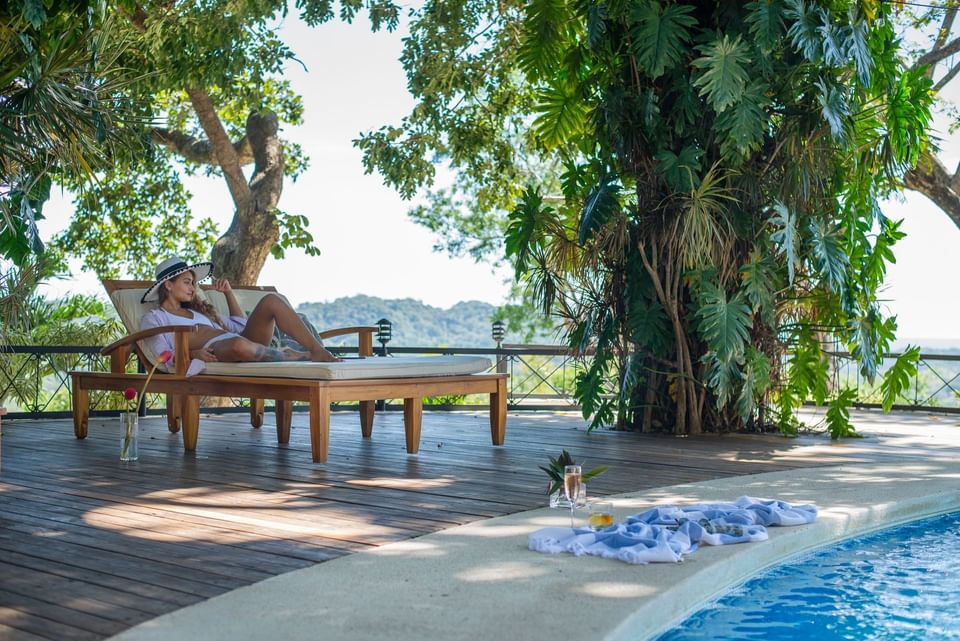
29,318
205,82
720,166
62,108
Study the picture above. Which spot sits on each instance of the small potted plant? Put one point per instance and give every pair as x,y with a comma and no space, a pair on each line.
555,471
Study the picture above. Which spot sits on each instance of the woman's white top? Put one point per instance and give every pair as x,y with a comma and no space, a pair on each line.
160,317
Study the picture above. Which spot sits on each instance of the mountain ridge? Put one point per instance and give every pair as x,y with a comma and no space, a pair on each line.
414,323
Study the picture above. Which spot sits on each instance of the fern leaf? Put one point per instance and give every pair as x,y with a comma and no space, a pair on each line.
562,115
786,236
859,49
524,228
680,172
865,334
804,32
724,325
596,24
721,377
744,124
828,255
602,204
765,18
833,104
838,414
544,37
723,78
834,43
757,276
898,377
756,382
808,368
659,36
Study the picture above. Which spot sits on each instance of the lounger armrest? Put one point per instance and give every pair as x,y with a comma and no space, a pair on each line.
119,351
365,336
130,339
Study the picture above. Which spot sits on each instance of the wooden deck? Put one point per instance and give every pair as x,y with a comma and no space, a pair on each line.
90,546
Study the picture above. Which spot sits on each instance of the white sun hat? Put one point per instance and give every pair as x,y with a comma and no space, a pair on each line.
171,268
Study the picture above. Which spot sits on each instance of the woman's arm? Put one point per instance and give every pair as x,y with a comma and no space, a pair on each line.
222,285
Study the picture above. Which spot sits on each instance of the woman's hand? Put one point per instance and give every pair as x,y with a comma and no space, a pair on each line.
204,354
222,285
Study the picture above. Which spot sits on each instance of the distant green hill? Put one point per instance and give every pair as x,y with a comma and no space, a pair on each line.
466,324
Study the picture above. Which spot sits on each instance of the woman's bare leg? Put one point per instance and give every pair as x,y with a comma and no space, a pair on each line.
244,350
273,310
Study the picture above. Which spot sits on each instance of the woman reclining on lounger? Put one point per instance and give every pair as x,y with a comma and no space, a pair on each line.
237,338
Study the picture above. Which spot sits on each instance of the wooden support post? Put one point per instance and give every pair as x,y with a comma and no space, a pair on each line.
256,412
81,407
412,420
284,410
366,418
319,424
174,413
498,412
190,408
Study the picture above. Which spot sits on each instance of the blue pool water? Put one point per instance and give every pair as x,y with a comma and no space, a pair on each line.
902,583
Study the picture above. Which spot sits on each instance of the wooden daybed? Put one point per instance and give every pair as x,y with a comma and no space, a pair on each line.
318,384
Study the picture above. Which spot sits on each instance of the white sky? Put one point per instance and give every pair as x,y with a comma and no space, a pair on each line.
354,83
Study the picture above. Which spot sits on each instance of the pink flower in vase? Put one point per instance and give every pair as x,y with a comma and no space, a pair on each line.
130,394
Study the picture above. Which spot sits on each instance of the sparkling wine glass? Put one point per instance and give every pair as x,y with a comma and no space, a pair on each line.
572,480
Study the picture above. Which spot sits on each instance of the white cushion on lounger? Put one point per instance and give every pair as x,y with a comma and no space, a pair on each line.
372,367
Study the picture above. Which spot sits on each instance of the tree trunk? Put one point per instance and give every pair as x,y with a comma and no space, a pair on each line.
241,252
932,179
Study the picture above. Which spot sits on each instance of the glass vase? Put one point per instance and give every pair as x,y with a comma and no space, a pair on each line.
129,436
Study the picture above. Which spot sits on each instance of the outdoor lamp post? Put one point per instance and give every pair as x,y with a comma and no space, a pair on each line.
498,331
384,334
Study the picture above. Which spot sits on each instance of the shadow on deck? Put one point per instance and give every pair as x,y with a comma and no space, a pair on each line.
90,546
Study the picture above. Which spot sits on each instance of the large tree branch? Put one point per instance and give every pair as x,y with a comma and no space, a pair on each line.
932,179
946,78
945,28
223,152
935,56
199,150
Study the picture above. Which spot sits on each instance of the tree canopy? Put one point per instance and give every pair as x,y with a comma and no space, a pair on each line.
63,111
205,82
712,223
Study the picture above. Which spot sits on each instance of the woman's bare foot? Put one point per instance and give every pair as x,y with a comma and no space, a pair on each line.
323,356
290,354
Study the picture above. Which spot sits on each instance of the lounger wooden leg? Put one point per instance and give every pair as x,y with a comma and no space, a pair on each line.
284,419
174,413
81,408
412,419
366,417
498,412
319,424
256,412
190,407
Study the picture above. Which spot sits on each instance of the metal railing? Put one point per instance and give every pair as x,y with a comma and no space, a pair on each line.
35,382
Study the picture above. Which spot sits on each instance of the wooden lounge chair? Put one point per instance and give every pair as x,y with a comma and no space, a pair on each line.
319,384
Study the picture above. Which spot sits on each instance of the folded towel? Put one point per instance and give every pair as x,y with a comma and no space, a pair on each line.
666,533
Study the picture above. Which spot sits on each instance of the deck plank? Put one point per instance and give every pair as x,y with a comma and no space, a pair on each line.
90,546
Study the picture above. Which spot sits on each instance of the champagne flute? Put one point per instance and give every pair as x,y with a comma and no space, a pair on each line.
572,479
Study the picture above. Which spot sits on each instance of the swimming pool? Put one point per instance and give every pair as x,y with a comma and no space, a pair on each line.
900,583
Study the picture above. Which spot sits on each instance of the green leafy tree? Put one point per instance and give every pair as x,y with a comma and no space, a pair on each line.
63,110
209,82
932,36
721,167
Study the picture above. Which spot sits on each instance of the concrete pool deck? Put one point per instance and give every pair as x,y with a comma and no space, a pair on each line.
479,581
